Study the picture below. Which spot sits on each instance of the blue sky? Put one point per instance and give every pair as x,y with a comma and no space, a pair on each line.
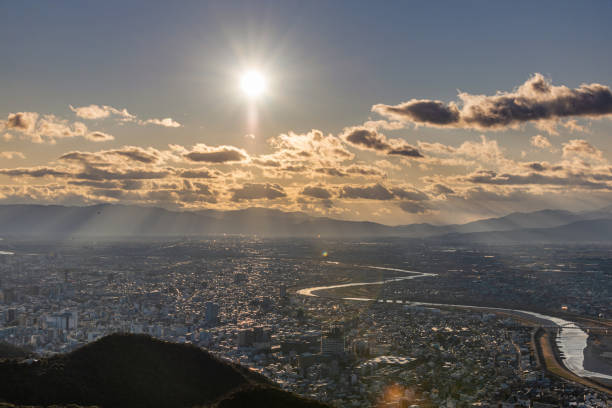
327,64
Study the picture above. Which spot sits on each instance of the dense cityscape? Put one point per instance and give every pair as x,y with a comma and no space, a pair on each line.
237,297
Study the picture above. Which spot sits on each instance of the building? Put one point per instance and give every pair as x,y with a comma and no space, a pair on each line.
258,338
63,321
332,341
211,314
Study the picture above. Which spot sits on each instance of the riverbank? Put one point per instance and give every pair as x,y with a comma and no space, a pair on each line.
598,356
549,357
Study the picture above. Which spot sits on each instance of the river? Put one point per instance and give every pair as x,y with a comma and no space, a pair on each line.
571,340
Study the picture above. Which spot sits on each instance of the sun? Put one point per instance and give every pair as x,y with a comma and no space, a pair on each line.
253,83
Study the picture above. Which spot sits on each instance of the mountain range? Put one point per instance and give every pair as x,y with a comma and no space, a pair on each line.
106,220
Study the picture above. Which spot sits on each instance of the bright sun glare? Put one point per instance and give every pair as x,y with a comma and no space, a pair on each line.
253,84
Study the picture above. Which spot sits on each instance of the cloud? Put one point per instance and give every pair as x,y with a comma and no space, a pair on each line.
317,192
422,112
92,173
99,137
442,189
92,112
255,191
537,166
407,151
313,147
372,192
582,148
117,157
216,154
366,139
126,163
12,155
166,122
364,170
369,139
534,178
360,170
49,128
21,121
537,100
469,153
412,207
40,171
331,171
412,195
199,173
136,153
541,142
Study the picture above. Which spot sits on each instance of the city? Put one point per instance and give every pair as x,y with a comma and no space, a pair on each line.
237,297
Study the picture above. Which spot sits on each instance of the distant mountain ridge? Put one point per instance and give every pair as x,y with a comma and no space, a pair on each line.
597,230
106,220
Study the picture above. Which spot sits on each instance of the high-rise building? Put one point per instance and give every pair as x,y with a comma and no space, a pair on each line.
211,314
258,338
11,316
332,341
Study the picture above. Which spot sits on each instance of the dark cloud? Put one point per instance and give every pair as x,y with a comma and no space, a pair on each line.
131,184
366,138
537,166
21,121
95,184
412,195
422,112
369,139
316,192
407,151
99,136
35,172
137,154
535,100
413,207
373,192
294,168
331,171
115,157
198,173
94,173
254,191
510,179
267,162
364,170
84,157
218,154
380,192
442,189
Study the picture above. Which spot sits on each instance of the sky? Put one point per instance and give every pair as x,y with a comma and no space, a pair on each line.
396,112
